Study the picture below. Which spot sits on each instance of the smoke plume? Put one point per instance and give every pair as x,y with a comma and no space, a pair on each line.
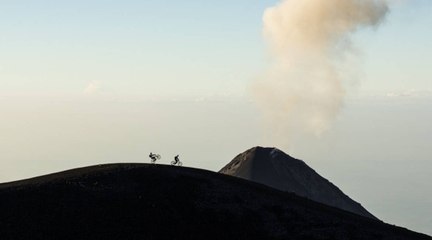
309,40
93,88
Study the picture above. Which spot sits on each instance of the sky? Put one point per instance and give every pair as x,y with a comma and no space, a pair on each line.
90,82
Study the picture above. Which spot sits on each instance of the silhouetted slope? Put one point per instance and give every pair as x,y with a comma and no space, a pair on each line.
277,169
140,201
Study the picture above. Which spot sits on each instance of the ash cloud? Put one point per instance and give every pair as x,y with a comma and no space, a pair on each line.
302,91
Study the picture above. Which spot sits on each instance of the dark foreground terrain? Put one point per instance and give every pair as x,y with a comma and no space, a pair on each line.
140,201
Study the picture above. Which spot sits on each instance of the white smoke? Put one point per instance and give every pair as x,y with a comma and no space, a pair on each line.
302,91
93,87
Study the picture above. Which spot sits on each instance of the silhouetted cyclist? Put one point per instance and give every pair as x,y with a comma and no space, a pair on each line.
176,161
154,157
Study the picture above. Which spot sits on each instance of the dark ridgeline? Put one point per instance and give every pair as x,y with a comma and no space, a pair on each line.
140,201
277,169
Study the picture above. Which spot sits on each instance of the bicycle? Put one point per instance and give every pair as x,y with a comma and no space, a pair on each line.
176,163
154,158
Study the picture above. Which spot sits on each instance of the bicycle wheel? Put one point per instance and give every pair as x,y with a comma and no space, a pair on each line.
180,164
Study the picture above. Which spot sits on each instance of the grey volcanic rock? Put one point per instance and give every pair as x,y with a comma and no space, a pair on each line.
276,169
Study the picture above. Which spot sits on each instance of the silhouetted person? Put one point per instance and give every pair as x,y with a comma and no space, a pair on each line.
153,157
176,161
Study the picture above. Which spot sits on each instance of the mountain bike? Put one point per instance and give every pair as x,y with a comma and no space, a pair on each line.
155,157
178,163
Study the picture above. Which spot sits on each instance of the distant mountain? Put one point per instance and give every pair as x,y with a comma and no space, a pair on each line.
141,201
277,169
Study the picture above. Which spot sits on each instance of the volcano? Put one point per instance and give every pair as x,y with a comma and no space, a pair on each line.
274,168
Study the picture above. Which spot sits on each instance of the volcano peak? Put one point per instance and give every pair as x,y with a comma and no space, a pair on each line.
273,167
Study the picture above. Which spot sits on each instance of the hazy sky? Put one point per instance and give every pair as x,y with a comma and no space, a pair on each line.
193,47
89,82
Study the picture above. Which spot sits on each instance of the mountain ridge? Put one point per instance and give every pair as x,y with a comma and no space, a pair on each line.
143,201
274,168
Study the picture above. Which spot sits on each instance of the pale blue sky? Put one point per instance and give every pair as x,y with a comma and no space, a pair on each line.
194,47
398,55
131,47
53,53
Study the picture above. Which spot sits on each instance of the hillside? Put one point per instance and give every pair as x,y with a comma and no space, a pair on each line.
140,201
274,168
